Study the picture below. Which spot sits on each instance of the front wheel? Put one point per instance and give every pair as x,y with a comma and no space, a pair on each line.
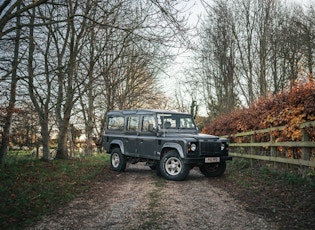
117,160
213,169
172,167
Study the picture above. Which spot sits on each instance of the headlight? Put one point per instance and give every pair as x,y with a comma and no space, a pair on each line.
193,147
224,146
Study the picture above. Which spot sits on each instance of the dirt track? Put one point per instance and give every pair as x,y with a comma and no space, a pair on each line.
138,199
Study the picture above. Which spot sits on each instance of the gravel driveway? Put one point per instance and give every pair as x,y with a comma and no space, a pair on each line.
138,199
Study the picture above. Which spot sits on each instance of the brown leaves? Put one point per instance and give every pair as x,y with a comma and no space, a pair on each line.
289,108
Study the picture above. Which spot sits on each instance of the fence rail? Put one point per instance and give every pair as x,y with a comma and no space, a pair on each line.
250,150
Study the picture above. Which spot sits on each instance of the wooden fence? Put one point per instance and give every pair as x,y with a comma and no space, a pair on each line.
268,151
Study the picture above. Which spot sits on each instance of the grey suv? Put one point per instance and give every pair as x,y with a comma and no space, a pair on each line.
167,141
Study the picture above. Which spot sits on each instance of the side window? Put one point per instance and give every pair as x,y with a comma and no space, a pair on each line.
115,123
167,122
132,123
146,122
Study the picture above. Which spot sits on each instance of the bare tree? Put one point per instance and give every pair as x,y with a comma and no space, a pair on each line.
13,85
13,9
303,24
218,59
128,57
10,12
40,86
76,28
263,34
261,45
81,54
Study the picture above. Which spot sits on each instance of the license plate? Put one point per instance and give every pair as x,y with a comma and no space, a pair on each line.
212,159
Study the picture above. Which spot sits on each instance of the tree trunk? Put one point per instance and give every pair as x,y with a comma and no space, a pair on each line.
62,150
10,109
89,147
5,137
45,141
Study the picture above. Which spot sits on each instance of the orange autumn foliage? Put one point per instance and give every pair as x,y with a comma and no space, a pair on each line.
289,108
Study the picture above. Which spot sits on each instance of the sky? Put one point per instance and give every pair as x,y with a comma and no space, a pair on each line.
175,72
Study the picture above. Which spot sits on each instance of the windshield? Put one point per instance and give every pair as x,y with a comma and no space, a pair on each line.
175,121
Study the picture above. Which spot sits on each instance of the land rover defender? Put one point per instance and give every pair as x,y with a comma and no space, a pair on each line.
167,141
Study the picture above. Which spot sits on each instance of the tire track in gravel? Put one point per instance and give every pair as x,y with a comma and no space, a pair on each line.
138,199
196,204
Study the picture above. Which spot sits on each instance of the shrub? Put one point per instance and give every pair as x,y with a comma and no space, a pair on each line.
289,108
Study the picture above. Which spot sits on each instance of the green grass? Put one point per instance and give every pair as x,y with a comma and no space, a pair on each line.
275,193
18,157
30,188
267,174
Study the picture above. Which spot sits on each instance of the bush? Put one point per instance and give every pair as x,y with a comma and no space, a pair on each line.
290,108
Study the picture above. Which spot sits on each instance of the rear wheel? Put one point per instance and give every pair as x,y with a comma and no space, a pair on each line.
117,160
213,169
172,167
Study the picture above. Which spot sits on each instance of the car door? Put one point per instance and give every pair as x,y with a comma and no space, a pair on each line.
147,141
131,135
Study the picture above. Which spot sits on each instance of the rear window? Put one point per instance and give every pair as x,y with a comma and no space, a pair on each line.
115,123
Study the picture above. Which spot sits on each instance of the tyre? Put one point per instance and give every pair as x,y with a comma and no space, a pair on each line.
117,160
213,170
172,167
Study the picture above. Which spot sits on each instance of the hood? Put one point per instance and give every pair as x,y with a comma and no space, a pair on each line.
197,136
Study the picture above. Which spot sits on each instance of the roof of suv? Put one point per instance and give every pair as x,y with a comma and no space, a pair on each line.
142,111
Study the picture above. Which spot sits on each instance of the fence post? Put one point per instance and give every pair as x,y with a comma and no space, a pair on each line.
273,149
252,149
306,151
252,140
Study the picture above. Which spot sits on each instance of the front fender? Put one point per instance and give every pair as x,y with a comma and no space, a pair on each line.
176,146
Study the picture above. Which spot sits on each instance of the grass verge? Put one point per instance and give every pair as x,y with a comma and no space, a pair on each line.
32,188
285,198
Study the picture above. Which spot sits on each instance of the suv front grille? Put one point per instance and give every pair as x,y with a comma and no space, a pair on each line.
210,148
